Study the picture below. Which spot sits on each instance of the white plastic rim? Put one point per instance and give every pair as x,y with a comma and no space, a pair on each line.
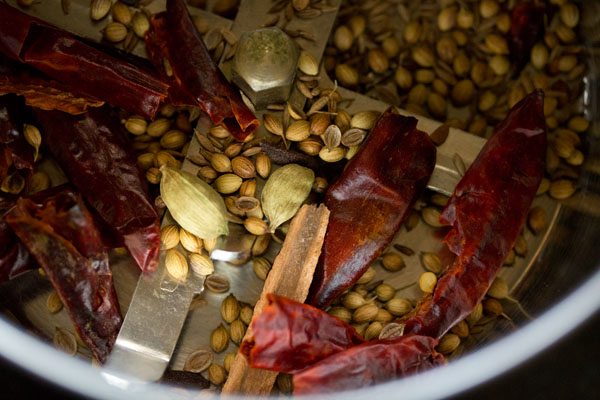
40,359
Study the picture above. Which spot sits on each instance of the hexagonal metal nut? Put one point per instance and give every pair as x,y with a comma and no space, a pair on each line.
264,66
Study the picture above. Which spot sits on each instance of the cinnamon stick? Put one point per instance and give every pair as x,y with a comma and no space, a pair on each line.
291,276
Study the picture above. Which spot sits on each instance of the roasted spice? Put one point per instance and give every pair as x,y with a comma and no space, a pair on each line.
201,264
365,313
217,283
283,194
219,339
53,302
216,374
392,262
198,361
398,307
431,262
230,309
290,276
237,330
65,341
246,313
176,265
261,267
193,204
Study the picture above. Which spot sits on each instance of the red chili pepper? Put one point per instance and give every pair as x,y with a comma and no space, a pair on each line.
15,259
289,336
370,201
81,69
93,72
196,79
15,152
60,233
487,212
368,364
92,151
38,90
325,353
526,28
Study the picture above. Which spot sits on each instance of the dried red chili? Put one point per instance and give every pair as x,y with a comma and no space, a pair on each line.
289,336
526,28
81,69
15,259
15,152
60,233
92,150
487,212
38,90
368,364
196,79
325,353
370,201
91,72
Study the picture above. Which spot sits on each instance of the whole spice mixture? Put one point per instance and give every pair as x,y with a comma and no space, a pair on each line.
487,211
93,73
114,122
467,63
197,80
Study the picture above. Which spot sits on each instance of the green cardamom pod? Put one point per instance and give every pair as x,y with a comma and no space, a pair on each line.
196,206
285,191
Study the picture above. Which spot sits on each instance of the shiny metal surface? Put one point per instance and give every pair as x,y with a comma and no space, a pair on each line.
156,314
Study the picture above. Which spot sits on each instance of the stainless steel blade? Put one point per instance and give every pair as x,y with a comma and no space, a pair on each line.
157,312
152,325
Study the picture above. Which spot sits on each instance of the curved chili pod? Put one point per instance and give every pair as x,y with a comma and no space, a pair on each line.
289,336
84,70
368,364
198,80
61,235
487,212
93,153
15,259
38,90
526,28
91,72
15,152
370,201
